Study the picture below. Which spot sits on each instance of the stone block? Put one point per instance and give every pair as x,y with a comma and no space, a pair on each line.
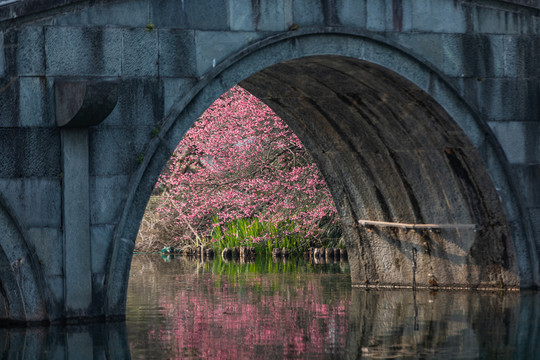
177,56
405,66
133,13
472,55
308,14
190,14
168,14
117,150
140,52
55,289
438,16
101,244
9,103
174,89
458,55
352,13
399,15
214,46
76,216
2,56
274,15
83,51
31,51
107,197
467,87
427,46
496,21
242,15
48,244
510,135
528,176
36,201
376,15
9,52
520,56
140,103
328,45
535,220
29,152
506,99
207,15
36,97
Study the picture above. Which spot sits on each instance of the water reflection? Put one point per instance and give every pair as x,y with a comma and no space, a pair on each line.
219,309
93,341
291,309
443,325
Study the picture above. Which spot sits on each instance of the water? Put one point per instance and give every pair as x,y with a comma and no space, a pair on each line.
180,309
223,310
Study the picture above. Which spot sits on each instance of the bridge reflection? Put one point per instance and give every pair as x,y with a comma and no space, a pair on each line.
378,324
443,324
92,341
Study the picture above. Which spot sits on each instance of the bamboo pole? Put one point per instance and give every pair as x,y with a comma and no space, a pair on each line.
372,223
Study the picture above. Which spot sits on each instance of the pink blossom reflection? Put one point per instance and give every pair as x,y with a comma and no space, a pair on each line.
200,314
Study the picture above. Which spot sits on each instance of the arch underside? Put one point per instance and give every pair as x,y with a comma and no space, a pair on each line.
390,153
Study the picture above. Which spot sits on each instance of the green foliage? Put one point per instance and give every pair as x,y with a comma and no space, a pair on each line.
155,132
140,159
149,27
263,236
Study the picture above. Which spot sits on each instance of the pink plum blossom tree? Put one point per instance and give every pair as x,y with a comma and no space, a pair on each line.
241,161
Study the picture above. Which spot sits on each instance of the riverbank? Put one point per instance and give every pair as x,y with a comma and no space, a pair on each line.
248,254
155,235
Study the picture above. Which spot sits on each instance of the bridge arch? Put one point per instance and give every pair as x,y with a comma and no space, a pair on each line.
395,143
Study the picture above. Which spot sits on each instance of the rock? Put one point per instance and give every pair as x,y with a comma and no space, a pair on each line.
329,254
247,253
226,254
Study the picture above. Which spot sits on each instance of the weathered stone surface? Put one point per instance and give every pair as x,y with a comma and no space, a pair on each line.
140,103
29,152
504,99
35,102
83,51
48,244
76,223
177,54
31,51
2,56
117,150
101,247
415,111
140,52
112,190
214,47
9,102
35,200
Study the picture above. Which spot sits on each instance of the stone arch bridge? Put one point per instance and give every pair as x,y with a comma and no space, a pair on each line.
417,112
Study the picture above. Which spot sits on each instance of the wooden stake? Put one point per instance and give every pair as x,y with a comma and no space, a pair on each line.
370,223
